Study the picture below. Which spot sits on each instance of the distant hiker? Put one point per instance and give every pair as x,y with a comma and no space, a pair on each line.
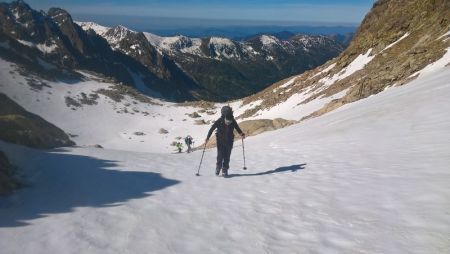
188,141
179,146
225,137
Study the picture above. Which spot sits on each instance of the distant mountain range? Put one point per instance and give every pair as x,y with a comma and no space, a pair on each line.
240,32
233,29
175,68
397,42
228,69
53,46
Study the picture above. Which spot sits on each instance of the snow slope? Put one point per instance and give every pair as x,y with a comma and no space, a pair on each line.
302,95
110,124
369,177
114,125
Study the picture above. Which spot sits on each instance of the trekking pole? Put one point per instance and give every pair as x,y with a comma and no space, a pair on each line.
201,160
243,153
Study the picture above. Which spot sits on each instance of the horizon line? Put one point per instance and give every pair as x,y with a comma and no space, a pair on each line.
257,22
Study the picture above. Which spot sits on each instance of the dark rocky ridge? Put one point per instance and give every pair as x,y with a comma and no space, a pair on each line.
54,37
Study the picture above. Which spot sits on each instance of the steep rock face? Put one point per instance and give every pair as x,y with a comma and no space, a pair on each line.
76,37
30,28
396,40
22,23
136,45
54,35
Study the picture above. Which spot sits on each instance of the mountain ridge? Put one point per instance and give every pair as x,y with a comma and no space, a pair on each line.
396,40
173,68
229,63
62,42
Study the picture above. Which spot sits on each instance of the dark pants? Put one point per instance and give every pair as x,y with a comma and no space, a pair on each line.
223,156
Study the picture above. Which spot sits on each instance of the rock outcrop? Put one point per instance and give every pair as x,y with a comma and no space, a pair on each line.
21,127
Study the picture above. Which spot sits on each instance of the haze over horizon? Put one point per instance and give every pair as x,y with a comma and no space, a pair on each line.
177,15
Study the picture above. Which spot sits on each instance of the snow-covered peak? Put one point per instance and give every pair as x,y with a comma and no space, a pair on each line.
268,40
98,29
121,30
223,48
304,39
174,44
117,33
154,39
113,35
221,42
307,41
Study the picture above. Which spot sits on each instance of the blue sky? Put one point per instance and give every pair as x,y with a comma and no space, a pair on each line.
306,11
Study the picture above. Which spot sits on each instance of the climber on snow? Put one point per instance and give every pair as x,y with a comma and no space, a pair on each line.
225,137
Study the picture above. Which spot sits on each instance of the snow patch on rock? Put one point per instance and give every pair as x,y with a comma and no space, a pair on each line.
446,36
395,42
223,47
356,65
98,29
443,62
290,82
47,49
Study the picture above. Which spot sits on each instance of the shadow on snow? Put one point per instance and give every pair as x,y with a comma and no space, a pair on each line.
61,182
292,168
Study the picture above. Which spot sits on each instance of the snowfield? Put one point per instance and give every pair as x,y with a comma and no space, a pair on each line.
111,124
369,177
